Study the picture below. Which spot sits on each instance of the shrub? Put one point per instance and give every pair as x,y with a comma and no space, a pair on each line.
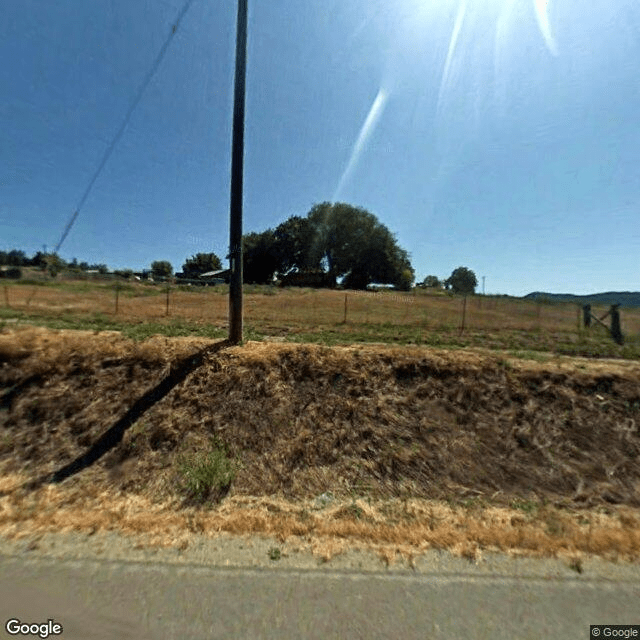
13,272
207,474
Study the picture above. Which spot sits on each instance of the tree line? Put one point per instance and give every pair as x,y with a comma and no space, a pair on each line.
47,261
332,243
462,280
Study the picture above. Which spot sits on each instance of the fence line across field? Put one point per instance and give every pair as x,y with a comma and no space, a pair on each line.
320,308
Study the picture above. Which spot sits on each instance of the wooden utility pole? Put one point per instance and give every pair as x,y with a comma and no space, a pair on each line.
237,162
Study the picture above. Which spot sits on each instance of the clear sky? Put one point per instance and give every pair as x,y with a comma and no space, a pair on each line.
501,135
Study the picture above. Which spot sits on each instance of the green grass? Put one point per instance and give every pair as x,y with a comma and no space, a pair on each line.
531,355
274,554
206,474
528,506
173,328
135,331
520,344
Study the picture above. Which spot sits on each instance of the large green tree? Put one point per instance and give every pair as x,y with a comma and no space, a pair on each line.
462,280
260,257
286,249
201,263
295,245
337,240
351,243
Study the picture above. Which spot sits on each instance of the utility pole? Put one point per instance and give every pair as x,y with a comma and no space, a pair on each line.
483,277
237,158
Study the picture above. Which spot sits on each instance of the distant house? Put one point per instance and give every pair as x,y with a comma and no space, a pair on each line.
10,272
222,276
379,286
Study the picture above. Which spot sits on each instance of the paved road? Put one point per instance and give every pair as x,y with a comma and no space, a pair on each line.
100,600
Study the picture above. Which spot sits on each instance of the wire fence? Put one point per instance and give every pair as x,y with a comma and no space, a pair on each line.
276,310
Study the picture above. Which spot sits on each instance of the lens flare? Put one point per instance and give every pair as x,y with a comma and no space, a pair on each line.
542,15
473,34
375,113
453,43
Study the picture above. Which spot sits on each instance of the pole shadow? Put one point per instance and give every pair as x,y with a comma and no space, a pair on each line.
113,436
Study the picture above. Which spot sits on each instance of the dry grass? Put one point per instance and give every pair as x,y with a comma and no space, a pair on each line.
389,527
318,316
415,448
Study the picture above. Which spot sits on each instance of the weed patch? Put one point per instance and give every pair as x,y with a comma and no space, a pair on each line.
207,475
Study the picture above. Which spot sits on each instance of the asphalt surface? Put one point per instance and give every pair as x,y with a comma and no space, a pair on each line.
96,599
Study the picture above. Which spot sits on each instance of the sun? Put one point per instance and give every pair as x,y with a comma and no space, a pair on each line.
459,42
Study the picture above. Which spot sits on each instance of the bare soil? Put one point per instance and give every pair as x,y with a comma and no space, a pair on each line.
399,449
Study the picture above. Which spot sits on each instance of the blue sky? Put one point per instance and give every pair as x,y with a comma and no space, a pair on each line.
502,135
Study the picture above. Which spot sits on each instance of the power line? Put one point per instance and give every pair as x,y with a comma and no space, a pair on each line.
125,122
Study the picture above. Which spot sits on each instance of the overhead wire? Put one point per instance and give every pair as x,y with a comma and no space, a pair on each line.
125,122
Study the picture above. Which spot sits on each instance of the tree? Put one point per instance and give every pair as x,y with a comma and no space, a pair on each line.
432,282
260,257
161,269
55,264
333,241
102,269
16,258
201,263
350,242
295,246
462,280
39,260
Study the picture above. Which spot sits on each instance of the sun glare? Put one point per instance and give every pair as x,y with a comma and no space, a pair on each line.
455,40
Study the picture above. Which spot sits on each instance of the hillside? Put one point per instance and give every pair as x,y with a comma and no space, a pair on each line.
401,446
628,299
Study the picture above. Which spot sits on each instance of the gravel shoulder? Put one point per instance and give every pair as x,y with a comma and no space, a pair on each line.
257,552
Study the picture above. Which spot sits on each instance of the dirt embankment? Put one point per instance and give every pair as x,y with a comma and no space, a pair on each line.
350,424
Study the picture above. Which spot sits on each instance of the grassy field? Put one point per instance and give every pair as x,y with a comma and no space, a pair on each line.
487,440
320,316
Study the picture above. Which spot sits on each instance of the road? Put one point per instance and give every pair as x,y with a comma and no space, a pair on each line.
104,599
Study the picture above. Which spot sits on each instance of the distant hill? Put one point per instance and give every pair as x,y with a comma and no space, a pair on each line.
624,298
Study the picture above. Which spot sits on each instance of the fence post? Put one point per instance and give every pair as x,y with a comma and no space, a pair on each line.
616,331
6,296
345,309
168,289
34,290
586,313
464,313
